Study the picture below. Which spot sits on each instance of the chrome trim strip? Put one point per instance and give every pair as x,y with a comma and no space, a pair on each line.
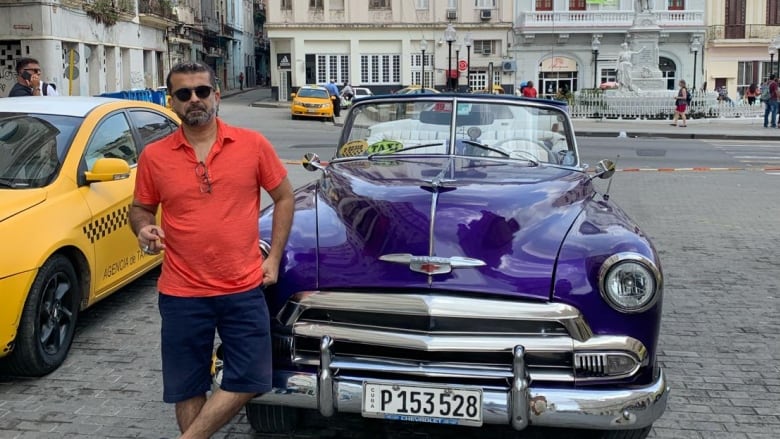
603,409
434,343
354,365
439,305
519,392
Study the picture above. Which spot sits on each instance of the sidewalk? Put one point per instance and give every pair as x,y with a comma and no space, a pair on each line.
733,129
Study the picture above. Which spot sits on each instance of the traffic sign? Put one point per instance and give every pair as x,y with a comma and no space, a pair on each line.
462,65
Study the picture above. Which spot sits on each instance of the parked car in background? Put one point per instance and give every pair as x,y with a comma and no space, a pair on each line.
67,174
416,89
457,263
312,101
358,92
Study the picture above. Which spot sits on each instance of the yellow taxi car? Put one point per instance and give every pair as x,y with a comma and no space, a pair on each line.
67,172
312,101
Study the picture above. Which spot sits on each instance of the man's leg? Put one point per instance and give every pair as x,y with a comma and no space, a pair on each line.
187,411
766,114
216,412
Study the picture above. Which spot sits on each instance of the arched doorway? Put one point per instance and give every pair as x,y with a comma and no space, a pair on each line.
557,72
668,71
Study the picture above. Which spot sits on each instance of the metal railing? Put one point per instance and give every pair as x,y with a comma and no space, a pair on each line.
616,19
659,105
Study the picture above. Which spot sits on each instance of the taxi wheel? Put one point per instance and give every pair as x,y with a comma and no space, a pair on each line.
271,418
48,320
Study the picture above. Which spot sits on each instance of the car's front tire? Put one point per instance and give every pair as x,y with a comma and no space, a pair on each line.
271,418
48,320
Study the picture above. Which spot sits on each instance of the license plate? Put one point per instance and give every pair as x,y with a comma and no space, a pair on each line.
312,110
430,404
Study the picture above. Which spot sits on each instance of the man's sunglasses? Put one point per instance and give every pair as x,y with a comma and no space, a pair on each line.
36,71
201,91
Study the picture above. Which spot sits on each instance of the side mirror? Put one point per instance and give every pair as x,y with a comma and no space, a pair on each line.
108,169
311,162
605,169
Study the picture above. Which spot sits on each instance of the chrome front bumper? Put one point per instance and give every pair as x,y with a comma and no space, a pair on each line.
521,405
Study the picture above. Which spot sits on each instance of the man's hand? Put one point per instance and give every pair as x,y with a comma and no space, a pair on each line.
150,239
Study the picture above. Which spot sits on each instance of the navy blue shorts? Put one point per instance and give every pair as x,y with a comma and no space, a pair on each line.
188,329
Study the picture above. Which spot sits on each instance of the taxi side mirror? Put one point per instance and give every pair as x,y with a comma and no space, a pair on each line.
108,169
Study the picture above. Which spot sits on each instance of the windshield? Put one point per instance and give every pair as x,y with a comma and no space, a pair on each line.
33,147
313,93
481,127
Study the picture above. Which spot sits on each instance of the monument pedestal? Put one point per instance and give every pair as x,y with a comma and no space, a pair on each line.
645,34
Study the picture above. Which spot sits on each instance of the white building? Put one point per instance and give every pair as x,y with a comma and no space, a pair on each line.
97,46
376,43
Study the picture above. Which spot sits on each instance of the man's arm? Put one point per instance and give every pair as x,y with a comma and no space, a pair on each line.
284,203
143,222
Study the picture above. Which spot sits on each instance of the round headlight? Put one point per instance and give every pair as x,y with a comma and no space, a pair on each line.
629,282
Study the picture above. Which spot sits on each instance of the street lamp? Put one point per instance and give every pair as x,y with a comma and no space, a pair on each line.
771,49
594,46
468,41
695,47
456,81
449,37
423,48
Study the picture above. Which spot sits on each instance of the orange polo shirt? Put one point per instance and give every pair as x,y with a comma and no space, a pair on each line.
211,239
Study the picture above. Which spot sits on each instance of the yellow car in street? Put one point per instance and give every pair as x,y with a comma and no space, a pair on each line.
67,173
312,101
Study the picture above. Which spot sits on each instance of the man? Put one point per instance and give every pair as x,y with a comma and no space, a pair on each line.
770,105
529,91
347,93
207,176
241,80
28,78
333,90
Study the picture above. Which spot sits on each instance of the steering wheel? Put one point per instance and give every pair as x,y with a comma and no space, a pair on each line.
526,154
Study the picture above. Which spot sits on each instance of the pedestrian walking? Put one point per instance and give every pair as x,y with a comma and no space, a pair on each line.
333,91
346,95
241,80
769,96
681,104
206,177
529,91
752,93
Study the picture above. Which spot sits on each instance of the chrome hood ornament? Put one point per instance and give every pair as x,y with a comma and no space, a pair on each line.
431,265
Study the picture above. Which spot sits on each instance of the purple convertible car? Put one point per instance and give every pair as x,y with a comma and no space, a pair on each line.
455,263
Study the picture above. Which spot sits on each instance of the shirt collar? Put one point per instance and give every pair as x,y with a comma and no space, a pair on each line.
225,134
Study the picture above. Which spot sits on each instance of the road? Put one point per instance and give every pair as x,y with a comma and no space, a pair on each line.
717,233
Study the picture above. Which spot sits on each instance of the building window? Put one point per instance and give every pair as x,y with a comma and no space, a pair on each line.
286,5
485,4
483,47
380,69
544,5
676,5
747,74
315,4
417,69
379,4
335,67
577,5
337,5
668,71
773,12
422,4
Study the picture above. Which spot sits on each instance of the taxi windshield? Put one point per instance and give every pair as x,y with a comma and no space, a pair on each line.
33,147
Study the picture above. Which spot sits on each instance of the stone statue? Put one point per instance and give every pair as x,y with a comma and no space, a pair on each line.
624,66
642,5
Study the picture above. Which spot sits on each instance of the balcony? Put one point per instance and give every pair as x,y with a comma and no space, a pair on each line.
743,32
586,21
156,13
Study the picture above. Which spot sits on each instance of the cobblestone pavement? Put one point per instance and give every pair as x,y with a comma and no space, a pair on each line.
718,237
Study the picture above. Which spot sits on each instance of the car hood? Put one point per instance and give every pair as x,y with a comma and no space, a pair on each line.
15,201
499,224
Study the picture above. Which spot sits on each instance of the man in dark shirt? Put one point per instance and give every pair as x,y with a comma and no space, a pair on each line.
28,79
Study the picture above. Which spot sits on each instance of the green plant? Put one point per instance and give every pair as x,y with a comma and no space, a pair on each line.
102,11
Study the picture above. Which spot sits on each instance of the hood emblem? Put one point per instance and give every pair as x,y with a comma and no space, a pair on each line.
431,265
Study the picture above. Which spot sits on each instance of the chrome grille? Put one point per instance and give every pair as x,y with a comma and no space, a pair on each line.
443,335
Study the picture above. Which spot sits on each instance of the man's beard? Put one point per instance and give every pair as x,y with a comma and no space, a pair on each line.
198,116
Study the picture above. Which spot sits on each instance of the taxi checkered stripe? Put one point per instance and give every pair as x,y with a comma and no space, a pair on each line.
107,224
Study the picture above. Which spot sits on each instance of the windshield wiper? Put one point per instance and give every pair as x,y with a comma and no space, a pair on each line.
7,183
407,148
487,147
